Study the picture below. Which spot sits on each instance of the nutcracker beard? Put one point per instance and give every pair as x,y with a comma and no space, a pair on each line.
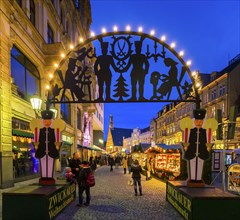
47,167
195,169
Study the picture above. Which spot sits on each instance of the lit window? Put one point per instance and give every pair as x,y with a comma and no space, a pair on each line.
25,75
66,111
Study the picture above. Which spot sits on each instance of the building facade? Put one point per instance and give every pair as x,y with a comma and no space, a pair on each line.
219,92
35,36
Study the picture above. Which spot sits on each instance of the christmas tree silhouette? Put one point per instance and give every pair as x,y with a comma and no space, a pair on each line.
121,90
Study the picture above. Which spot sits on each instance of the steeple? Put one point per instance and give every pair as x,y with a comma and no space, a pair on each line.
111,122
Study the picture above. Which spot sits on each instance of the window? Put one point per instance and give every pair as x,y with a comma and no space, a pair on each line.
222,90
214,94
50,35
25,75
20,124
32,12
78,119
66,111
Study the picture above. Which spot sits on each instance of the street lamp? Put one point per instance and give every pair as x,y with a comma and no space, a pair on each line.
36,103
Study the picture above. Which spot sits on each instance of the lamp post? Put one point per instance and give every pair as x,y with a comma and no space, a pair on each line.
36,103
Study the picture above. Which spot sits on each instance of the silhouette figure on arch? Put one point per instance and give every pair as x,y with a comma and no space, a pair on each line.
71,80
171,79
140,66
103,72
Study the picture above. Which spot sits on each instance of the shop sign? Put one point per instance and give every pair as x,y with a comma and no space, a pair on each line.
60,200
179,201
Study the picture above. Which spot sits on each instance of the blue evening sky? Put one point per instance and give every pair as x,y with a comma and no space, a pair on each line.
208,31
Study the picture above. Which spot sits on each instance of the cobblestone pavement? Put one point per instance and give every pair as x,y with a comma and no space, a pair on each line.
112,199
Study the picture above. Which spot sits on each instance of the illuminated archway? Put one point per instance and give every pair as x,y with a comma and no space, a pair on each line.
125,66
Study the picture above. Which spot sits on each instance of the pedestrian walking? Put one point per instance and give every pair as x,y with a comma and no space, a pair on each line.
117,161
111,162
129,163
136,170
149,168
92,164
82,184
124,163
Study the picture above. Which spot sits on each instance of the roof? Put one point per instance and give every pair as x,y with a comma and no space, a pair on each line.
232,64
173,146
118,134
145,146
205,78
145,130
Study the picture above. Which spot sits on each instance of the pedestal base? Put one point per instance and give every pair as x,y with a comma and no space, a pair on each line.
46,181
202,203
195,184
37,202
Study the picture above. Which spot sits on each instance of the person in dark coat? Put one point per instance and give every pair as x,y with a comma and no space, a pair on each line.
75,164
196,151
129,163
92,164
136,170
47,149
111,162
82,186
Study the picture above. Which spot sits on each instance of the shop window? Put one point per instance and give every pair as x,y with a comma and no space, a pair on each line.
32,12
66,111
25,75
50,35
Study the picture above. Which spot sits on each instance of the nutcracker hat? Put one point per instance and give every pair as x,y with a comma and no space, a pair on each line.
104,45
199,113
138,44
47,114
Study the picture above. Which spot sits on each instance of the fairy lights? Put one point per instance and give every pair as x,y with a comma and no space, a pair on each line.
140,29
128,28
152,32
163,38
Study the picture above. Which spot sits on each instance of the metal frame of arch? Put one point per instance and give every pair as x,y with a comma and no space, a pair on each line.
118,67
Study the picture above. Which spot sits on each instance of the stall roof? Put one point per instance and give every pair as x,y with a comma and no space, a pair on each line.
160,147
167,147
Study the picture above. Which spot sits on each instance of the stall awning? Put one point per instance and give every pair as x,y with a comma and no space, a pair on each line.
89,148
66,143
20,133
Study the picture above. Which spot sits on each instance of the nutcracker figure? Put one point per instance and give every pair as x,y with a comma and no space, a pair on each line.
47,144
197,144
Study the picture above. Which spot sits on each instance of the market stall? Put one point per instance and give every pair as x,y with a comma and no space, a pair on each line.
167,160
